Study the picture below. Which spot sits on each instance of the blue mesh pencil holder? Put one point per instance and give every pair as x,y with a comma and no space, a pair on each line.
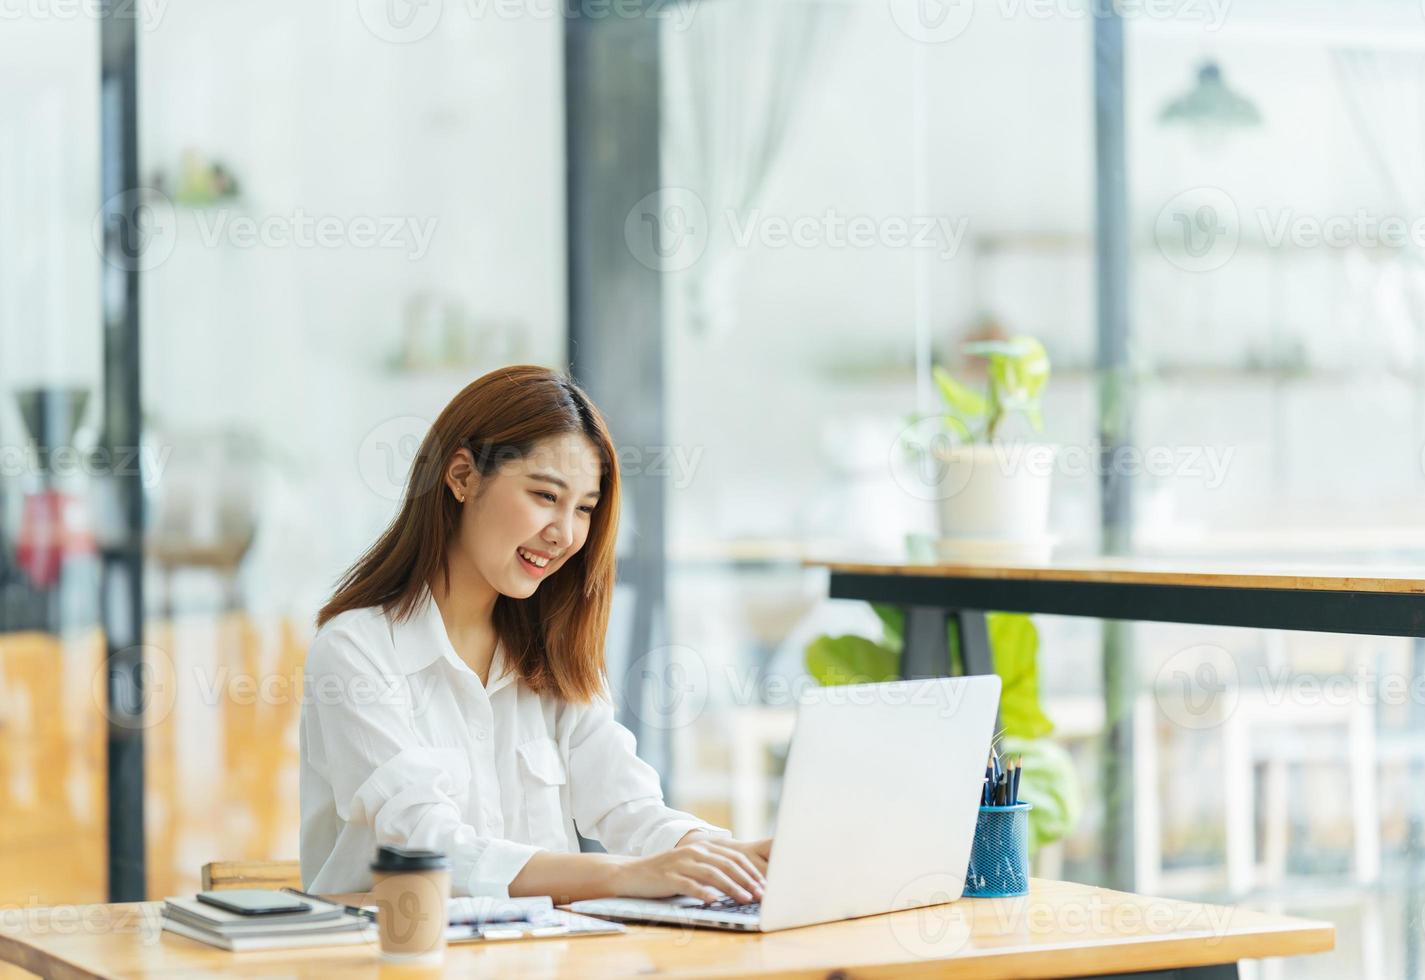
999,857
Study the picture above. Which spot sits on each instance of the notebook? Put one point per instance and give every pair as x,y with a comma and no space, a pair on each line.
326,924
243,942
329,924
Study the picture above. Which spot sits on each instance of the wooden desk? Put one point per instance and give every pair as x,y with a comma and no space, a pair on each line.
1059,929
1335,600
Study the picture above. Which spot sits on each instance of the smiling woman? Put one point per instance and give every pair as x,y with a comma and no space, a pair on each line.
491,476
459,696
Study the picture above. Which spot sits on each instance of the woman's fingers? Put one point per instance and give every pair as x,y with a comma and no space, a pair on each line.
708,873
684,885
745,878
708,869
748,863
758,858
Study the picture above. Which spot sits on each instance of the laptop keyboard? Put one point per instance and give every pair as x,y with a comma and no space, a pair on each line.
732,905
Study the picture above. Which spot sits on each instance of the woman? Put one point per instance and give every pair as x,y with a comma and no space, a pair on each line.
455,695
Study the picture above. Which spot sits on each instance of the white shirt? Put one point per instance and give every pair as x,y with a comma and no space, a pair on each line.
401,744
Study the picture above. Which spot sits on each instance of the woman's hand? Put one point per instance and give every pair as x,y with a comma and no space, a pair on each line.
760,851
699,866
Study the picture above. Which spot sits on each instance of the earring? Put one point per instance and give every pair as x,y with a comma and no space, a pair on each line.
460,497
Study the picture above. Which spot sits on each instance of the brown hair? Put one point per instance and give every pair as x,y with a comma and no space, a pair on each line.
554,639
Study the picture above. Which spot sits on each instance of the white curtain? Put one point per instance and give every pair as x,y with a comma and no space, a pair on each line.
1384,93
737,75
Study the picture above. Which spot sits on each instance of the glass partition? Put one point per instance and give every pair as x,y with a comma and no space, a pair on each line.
366,218
52,722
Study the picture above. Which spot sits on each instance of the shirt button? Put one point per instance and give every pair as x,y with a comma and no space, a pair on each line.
481,734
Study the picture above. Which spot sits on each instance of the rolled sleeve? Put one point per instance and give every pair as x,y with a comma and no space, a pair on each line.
616,796
675,829
499,864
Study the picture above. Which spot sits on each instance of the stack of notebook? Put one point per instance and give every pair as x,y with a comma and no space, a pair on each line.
325,925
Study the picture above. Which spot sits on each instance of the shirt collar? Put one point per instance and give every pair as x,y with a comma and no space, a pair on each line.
421,640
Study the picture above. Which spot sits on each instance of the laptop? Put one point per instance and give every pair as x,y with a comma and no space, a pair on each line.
878,809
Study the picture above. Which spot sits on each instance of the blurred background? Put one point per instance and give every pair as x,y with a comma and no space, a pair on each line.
247,252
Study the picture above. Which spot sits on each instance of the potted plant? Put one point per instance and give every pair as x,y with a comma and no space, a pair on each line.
993,496
992,491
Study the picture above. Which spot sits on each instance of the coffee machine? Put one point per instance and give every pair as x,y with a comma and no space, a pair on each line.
51,538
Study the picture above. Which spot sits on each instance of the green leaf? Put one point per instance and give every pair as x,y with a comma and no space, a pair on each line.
1014,647
963,401
834,660
1014,650
1018,371
893,620
1049,781
1020,377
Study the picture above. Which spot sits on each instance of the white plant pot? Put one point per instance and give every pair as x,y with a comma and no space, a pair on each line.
995,493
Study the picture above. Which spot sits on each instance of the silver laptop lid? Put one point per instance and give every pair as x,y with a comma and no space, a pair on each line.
880,798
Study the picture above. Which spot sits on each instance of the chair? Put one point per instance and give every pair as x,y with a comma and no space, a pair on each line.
220,875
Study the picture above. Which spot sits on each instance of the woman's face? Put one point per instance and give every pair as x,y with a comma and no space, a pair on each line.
533,510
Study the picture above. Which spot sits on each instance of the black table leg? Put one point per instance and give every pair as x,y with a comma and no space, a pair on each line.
926,652
975,653
927,642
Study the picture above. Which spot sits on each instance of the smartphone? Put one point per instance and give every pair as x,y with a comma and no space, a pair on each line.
254,901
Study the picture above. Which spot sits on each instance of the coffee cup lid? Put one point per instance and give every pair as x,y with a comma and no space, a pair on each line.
390,858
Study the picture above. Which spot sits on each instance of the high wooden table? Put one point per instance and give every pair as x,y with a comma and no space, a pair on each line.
1059,929
1335,600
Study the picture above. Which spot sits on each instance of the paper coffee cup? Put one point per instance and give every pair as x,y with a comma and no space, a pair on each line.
410,892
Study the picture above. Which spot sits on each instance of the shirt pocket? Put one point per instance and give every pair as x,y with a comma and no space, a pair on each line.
542,779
